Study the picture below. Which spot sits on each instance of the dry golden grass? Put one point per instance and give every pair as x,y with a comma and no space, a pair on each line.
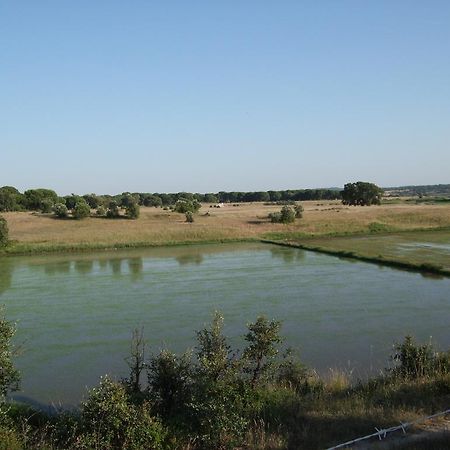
158,227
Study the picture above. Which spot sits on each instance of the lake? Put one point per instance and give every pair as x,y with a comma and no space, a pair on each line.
75,313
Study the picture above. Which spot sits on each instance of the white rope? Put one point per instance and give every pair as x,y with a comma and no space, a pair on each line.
381,434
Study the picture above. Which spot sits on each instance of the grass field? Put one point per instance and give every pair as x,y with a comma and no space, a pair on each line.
415,235
34,231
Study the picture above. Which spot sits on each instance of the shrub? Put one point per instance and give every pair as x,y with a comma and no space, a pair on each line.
262,338
60,210
9,376
47,205
298,211
414,360
4,232
189,217
132,211
81,210
183,206
286,215
113,210
109,420
170,382
101,211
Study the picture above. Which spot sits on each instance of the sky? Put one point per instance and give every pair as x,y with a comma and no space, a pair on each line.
109,96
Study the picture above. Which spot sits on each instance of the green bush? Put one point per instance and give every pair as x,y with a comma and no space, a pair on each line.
101,211
110,421
183,206
9,376
4,232
47,205
113,210
132,211
81,210
286,215
415,361
60,210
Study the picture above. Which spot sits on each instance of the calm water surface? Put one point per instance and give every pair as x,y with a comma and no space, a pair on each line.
75,313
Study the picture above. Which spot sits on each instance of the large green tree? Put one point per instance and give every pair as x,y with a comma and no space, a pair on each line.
361,193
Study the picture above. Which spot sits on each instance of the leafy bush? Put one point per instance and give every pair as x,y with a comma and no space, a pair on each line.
184,205
113,210
81,210
262,338
132,211
110,421
47,205
9,376
60,210
286,215
298,209
4,232
101,211
415,361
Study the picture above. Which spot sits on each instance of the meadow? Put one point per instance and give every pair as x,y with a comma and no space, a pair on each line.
37,232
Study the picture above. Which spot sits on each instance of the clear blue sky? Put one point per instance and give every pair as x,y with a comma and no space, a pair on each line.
110,95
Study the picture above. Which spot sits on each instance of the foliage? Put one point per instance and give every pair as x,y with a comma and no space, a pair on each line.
298,209
46,205
60,210
81,210
4,232
72,200
101,211
92,200
34,198
110,421
169,380
113,210
361,193
11,199
132,210
416,361
9,376
261,350
286,215
189,217
183,206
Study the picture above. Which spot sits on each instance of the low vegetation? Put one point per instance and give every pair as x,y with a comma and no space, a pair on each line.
216,397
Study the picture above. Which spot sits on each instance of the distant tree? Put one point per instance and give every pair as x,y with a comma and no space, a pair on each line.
113,210
35,197
298,211
101,211
72,200
211,198
132,211
362,194
151,200
47,205
3,232
81,210
183,206
60,210
92,200
11,199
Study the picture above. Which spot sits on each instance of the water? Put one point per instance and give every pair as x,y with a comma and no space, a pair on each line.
75,313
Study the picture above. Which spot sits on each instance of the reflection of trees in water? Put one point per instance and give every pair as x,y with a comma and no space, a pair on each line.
136,266
116,265
103,263
189,259
288,254
6,274
84,266
57,267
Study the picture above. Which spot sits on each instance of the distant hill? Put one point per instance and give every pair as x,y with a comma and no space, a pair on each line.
429,190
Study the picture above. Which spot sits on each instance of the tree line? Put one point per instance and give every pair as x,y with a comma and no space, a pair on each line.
11,199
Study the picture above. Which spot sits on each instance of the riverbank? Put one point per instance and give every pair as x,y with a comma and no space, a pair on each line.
383,235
